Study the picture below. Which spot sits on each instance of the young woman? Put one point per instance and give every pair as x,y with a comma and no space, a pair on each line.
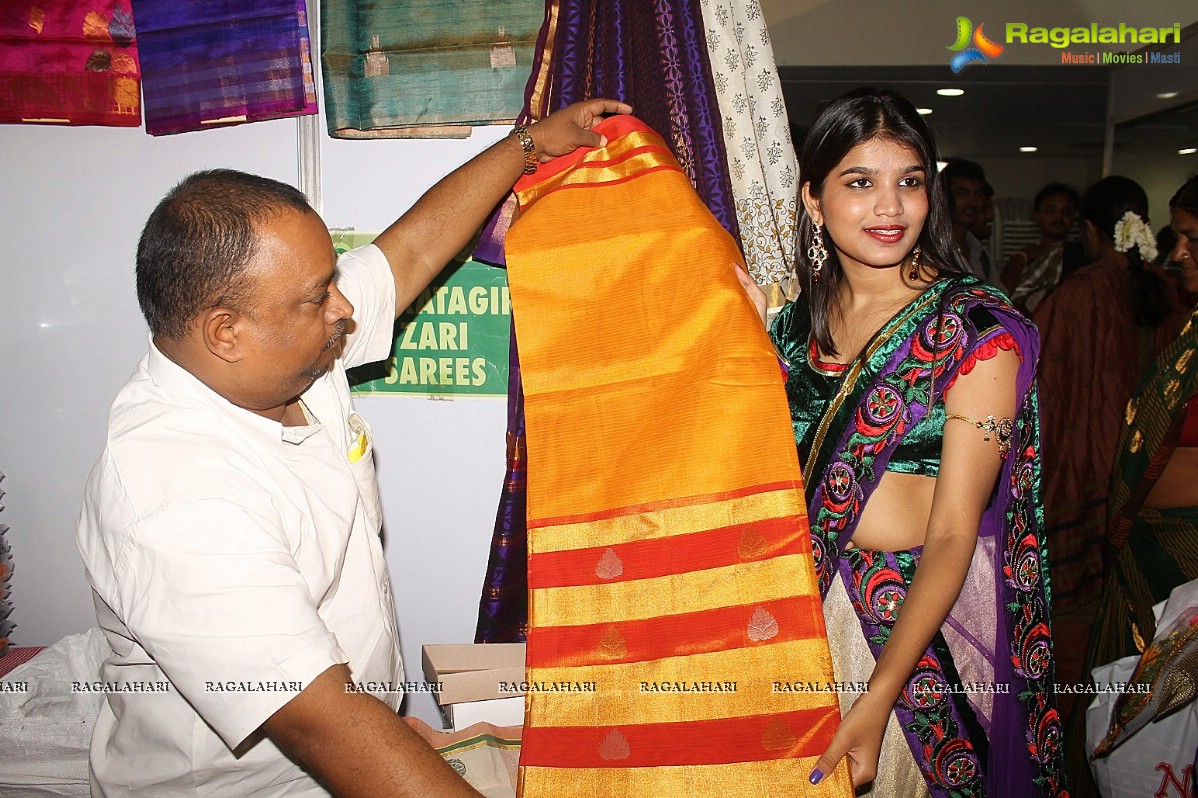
911,392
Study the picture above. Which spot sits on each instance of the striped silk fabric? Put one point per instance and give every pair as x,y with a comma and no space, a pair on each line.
676,645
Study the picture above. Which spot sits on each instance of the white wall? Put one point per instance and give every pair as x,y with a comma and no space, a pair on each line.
1015,177
72,203
1160,175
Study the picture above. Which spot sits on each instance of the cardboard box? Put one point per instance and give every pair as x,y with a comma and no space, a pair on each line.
497,711
476,681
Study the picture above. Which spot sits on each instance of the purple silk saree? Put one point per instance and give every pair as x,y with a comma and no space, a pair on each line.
652,55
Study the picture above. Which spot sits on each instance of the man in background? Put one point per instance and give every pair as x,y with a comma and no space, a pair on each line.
969,204
1033,271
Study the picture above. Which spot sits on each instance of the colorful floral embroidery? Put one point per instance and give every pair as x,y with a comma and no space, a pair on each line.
925,708
892,400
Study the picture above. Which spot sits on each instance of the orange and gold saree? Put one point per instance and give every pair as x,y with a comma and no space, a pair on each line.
676,645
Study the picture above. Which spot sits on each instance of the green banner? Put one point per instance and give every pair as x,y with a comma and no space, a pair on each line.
452,341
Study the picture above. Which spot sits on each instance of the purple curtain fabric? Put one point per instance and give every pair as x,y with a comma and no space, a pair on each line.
652,55
223,62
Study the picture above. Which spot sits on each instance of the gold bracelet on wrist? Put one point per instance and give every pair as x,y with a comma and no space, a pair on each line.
531,157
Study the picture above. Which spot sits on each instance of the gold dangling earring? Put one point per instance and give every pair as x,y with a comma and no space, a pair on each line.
817,254
915,256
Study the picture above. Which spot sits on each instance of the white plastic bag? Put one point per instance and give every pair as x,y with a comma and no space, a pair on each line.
1159,759
46,728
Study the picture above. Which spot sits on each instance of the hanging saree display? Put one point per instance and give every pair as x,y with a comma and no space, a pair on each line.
221,63
671,592
424,68
978,712
69,63
761,158
654,57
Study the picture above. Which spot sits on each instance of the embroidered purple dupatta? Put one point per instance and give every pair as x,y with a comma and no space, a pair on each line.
1005,738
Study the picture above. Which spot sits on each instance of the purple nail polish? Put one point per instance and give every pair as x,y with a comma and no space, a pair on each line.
816,776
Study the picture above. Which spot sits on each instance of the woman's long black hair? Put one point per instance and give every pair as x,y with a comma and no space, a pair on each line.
1103,205
861,115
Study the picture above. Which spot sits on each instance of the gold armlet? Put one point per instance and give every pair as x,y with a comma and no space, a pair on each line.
997,429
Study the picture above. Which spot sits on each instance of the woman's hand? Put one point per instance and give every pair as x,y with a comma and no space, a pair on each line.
756,295
859,737
569,128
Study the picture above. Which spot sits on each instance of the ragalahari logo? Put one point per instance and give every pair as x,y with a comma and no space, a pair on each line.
981,50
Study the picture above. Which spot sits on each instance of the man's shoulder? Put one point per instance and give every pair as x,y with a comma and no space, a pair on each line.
163,449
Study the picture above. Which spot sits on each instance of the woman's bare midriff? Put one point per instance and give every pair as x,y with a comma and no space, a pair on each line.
896,516
1178,485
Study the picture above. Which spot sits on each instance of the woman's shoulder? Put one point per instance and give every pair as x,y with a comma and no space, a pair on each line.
987,310
791,328
974,296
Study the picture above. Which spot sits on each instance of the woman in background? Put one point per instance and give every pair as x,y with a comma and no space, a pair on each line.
1152,526
1101,329
914,411
1152,519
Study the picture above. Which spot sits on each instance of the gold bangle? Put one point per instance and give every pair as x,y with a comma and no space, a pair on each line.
531,159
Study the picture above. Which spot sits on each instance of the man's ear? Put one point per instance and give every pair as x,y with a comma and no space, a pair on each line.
219,328
811,203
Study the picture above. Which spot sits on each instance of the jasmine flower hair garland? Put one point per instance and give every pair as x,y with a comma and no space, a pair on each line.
1133,231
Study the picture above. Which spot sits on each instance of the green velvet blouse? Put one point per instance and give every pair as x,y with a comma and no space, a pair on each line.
811,384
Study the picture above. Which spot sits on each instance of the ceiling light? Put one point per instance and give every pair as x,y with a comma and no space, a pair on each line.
924,111
1028,149
1167,95
1187,150
950,92
940,165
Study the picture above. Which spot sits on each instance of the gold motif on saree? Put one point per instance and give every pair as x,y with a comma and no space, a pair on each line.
762,626
1171,396
610,565
777,736
615,746
37,18
752,545
1130,415
95,27
1137,440
612,645
1184,361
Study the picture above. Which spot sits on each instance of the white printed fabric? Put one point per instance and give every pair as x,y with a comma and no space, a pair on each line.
761,156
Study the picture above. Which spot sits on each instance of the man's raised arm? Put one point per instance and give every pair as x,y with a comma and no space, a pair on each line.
422,241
